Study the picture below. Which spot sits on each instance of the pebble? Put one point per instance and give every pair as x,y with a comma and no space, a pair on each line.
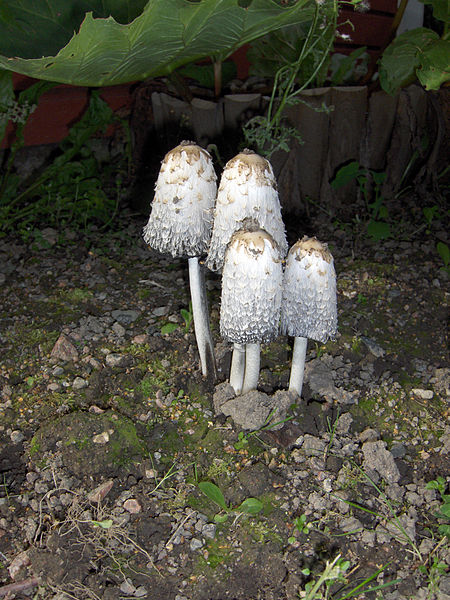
118,329
101,438
209,531
423,394
16,436
125,317
195,544
79,383
132,506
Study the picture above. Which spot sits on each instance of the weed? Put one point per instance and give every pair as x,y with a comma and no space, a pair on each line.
250,506
334,573
440,485
370,183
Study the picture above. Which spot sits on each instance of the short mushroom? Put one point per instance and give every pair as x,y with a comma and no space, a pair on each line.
247,196
180,224
251,300
309,308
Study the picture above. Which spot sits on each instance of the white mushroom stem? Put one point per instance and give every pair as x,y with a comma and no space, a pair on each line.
252,362
201,318
237,368
298,365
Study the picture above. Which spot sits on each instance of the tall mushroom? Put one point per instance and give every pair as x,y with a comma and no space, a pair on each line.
247,196
180,224
247,199
251,300
309,307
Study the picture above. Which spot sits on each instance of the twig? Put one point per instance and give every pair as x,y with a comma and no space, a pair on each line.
19,586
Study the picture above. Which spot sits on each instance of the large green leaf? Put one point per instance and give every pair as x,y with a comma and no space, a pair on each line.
168,34
418,52
36,28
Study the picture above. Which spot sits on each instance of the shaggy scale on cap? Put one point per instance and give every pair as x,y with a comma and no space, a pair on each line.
247,198
251,289
181,219
309,306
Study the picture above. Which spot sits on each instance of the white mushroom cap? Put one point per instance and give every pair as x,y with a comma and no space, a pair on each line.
247,194
309,306
181,219
251,289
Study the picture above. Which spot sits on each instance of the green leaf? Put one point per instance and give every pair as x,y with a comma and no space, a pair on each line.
401,58
168,328
444,252
213,493
345,175
220,518
107,524
445,511
167,35
434,67
445,530
251,506
378,230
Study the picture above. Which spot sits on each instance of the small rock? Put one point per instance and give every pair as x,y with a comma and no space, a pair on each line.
101,491
18,563
140,339
141,592
64,349
118,329
369,435
209,531
160,311
423,394
50,235
398,450
373,347
195,544
53,387
2,278
377,458
127,587
101,438
344,423
79,383
125,317
313,446
351,525
249,411
132,506
57,371
16,436
222,394
118,360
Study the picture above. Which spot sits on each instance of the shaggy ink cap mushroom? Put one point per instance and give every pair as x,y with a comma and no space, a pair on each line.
247,195
180,222
251,289
309,306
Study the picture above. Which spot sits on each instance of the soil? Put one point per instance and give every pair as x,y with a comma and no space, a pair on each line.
107,427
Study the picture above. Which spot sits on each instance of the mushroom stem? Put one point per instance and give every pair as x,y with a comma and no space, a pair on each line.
298,365
252,362
201,318
237,368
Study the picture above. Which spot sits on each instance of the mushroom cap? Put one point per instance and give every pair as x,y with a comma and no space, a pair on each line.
309,305
247,195
181,219
251,288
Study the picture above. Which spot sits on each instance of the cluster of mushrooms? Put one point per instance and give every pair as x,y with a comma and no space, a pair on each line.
240,229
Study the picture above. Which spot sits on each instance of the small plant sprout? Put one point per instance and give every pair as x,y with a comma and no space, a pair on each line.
251,302
180,224
309,307
247,197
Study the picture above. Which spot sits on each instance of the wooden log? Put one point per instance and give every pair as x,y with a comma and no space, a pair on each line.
378,131
237,107
303,172
207,120
408,136
347,123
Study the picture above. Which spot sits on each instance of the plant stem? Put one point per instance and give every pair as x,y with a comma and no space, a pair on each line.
252,362
298,365
237,368
201,318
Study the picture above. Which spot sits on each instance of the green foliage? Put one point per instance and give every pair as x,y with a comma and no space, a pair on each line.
166,35
71,190
444,253
370,183
270,133
335,572
250,506
169,327
419,53
440,485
